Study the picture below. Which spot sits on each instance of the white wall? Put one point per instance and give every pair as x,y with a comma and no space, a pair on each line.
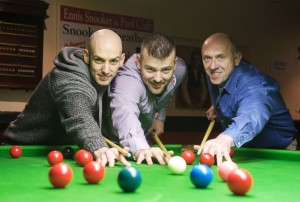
264,29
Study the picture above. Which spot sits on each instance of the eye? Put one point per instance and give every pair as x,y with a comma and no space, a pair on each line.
207,59
149,69
221,58
98,60
166,71
114,61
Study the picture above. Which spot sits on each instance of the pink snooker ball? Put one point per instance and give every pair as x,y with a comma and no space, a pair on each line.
226,168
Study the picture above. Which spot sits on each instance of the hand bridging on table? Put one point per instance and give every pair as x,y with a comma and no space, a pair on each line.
152,153
108,156
218,147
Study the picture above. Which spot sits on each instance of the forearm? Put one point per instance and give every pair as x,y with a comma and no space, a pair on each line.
78,120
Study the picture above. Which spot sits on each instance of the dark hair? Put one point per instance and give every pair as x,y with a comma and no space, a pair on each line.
159,45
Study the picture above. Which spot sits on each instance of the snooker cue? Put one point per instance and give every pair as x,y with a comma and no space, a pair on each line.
121,150
208,131
160,144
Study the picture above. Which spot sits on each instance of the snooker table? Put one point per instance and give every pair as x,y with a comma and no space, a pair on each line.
276,175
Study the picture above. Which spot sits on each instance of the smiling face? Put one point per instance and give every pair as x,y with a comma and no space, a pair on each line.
156,73
104,56
219,58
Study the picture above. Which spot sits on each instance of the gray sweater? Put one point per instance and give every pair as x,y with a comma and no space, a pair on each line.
63,109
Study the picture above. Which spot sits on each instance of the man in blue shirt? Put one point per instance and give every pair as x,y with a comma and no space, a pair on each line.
247,102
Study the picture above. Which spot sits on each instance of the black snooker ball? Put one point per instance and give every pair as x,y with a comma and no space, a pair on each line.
68,153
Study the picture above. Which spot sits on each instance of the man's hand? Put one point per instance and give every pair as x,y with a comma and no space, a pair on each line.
157,127
210,113
219,147
108,156
152,153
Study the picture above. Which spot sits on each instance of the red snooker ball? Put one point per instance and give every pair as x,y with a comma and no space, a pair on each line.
188,156
93,172
226,168
78,152
240,181
231,152
55,157
83,157
60,175
207,159
15,151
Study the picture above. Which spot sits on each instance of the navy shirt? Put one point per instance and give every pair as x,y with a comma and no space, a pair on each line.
252,110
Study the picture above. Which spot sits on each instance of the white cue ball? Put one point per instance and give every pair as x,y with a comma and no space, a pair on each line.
177,165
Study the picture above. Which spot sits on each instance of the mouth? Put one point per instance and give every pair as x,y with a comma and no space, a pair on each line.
156,86
104,77
215,75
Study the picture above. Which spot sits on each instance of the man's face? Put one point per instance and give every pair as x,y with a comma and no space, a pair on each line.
218,61
104,63
156,73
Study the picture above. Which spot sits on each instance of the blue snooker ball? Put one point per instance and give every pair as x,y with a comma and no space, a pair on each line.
201,175
129,179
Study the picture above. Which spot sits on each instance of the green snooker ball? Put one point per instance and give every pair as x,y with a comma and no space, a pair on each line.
129,179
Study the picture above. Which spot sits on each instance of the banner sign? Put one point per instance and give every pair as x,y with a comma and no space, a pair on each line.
76,26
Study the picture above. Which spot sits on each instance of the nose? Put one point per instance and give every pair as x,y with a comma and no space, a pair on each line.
105,68
213,64
157,77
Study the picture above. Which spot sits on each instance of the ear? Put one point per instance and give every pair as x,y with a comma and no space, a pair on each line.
237,58
122,59
176,59
138,61
86,56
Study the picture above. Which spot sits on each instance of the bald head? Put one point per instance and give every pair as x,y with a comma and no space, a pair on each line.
104,55
105,39
220,56
221,39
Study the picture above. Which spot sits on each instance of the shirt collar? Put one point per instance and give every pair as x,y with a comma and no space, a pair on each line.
233,78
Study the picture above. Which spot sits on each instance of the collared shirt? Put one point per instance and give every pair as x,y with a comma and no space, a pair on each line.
252,110
133,108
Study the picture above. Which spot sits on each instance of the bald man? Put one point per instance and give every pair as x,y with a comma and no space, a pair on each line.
247,102
66,107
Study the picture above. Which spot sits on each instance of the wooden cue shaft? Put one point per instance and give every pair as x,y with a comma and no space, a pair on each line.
208,131
160,144
121,150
